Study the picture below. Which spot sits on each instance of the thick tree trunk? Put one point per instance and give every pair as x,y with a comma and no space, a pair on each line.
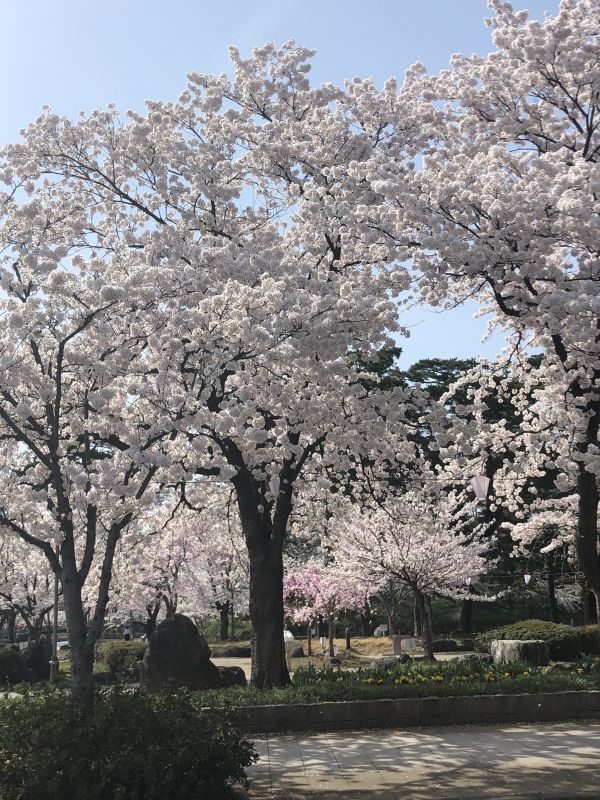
224,620
82,654
550,589
466,616
269,666
586,538
425,615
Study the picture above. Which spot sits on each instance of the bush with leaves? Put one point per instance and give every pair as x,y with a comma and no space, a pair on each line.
563,640
588,636
119,656
132,747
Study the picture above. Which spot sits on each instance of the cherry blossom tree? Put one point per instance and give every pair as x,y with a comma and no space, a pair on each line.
26,584
319,590
195,563
416,539
505,210
182,290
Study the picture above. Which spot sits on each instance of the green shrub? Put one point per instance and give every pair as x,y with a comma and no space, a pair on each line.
563,641
119,656
133,747
588,636
12,666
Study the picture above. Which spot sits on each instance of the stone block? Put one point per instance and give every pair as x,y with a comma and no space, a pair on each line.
446,710
408,710
533,651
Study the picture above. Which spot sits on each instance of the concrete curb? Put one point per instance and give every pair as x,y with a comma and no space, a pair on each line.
419,711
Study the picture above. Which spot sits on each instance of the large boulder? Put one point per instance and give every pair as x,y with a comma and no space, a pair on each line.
533,651
37,658
178,657
297,651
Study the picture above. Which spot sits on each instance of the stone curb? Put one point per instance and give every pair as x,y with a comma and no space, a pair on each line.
419,711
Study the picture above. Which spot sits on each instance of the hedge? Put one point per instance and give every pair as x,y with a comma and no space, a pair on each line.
119,655
133,747
565,643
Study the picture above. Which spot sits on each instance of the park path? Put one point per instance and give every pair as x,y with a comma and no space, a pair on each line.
553,760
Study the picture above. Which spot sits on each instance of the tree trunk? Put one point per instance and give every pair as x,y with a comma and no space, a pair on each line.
466,616
150,623
392,624
224,620
269,666
552,604
586,539
82,654
12,626
331,636
417,619
232,621
425,615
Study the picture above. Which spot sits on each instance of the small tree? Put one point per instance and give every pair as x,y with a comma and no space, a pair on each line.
317,590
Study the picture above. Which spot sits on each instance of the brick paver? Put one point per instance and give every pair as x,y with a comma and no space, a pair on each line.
554,760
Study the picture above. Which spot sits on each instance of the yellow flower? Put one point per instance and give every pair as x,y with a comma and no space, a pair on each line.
580,669
526,674
507,674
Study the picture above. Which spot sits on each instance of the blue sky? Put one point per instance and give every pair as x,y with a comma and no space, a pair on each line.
75,55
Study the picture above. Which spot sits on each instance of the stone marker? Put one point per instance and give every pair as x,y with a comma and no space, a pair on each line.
533,651
179,657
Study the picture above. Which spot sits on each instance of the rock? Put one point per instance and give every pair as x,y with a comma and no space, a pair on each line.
297,652
12,666
444,646
484,658
390,662
235,652
533,651
37,658
179,657
232,676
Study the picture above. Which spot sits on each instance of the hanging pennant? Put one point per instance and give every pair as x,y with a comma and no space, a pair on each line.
526,578
480,485
274,486
468,581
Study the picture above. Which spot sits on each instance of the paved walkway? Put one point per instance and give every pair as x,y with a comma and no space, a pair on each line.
553,760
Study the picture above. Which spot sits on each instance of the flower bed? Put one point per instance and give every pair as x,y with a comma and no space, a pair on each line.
440,679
